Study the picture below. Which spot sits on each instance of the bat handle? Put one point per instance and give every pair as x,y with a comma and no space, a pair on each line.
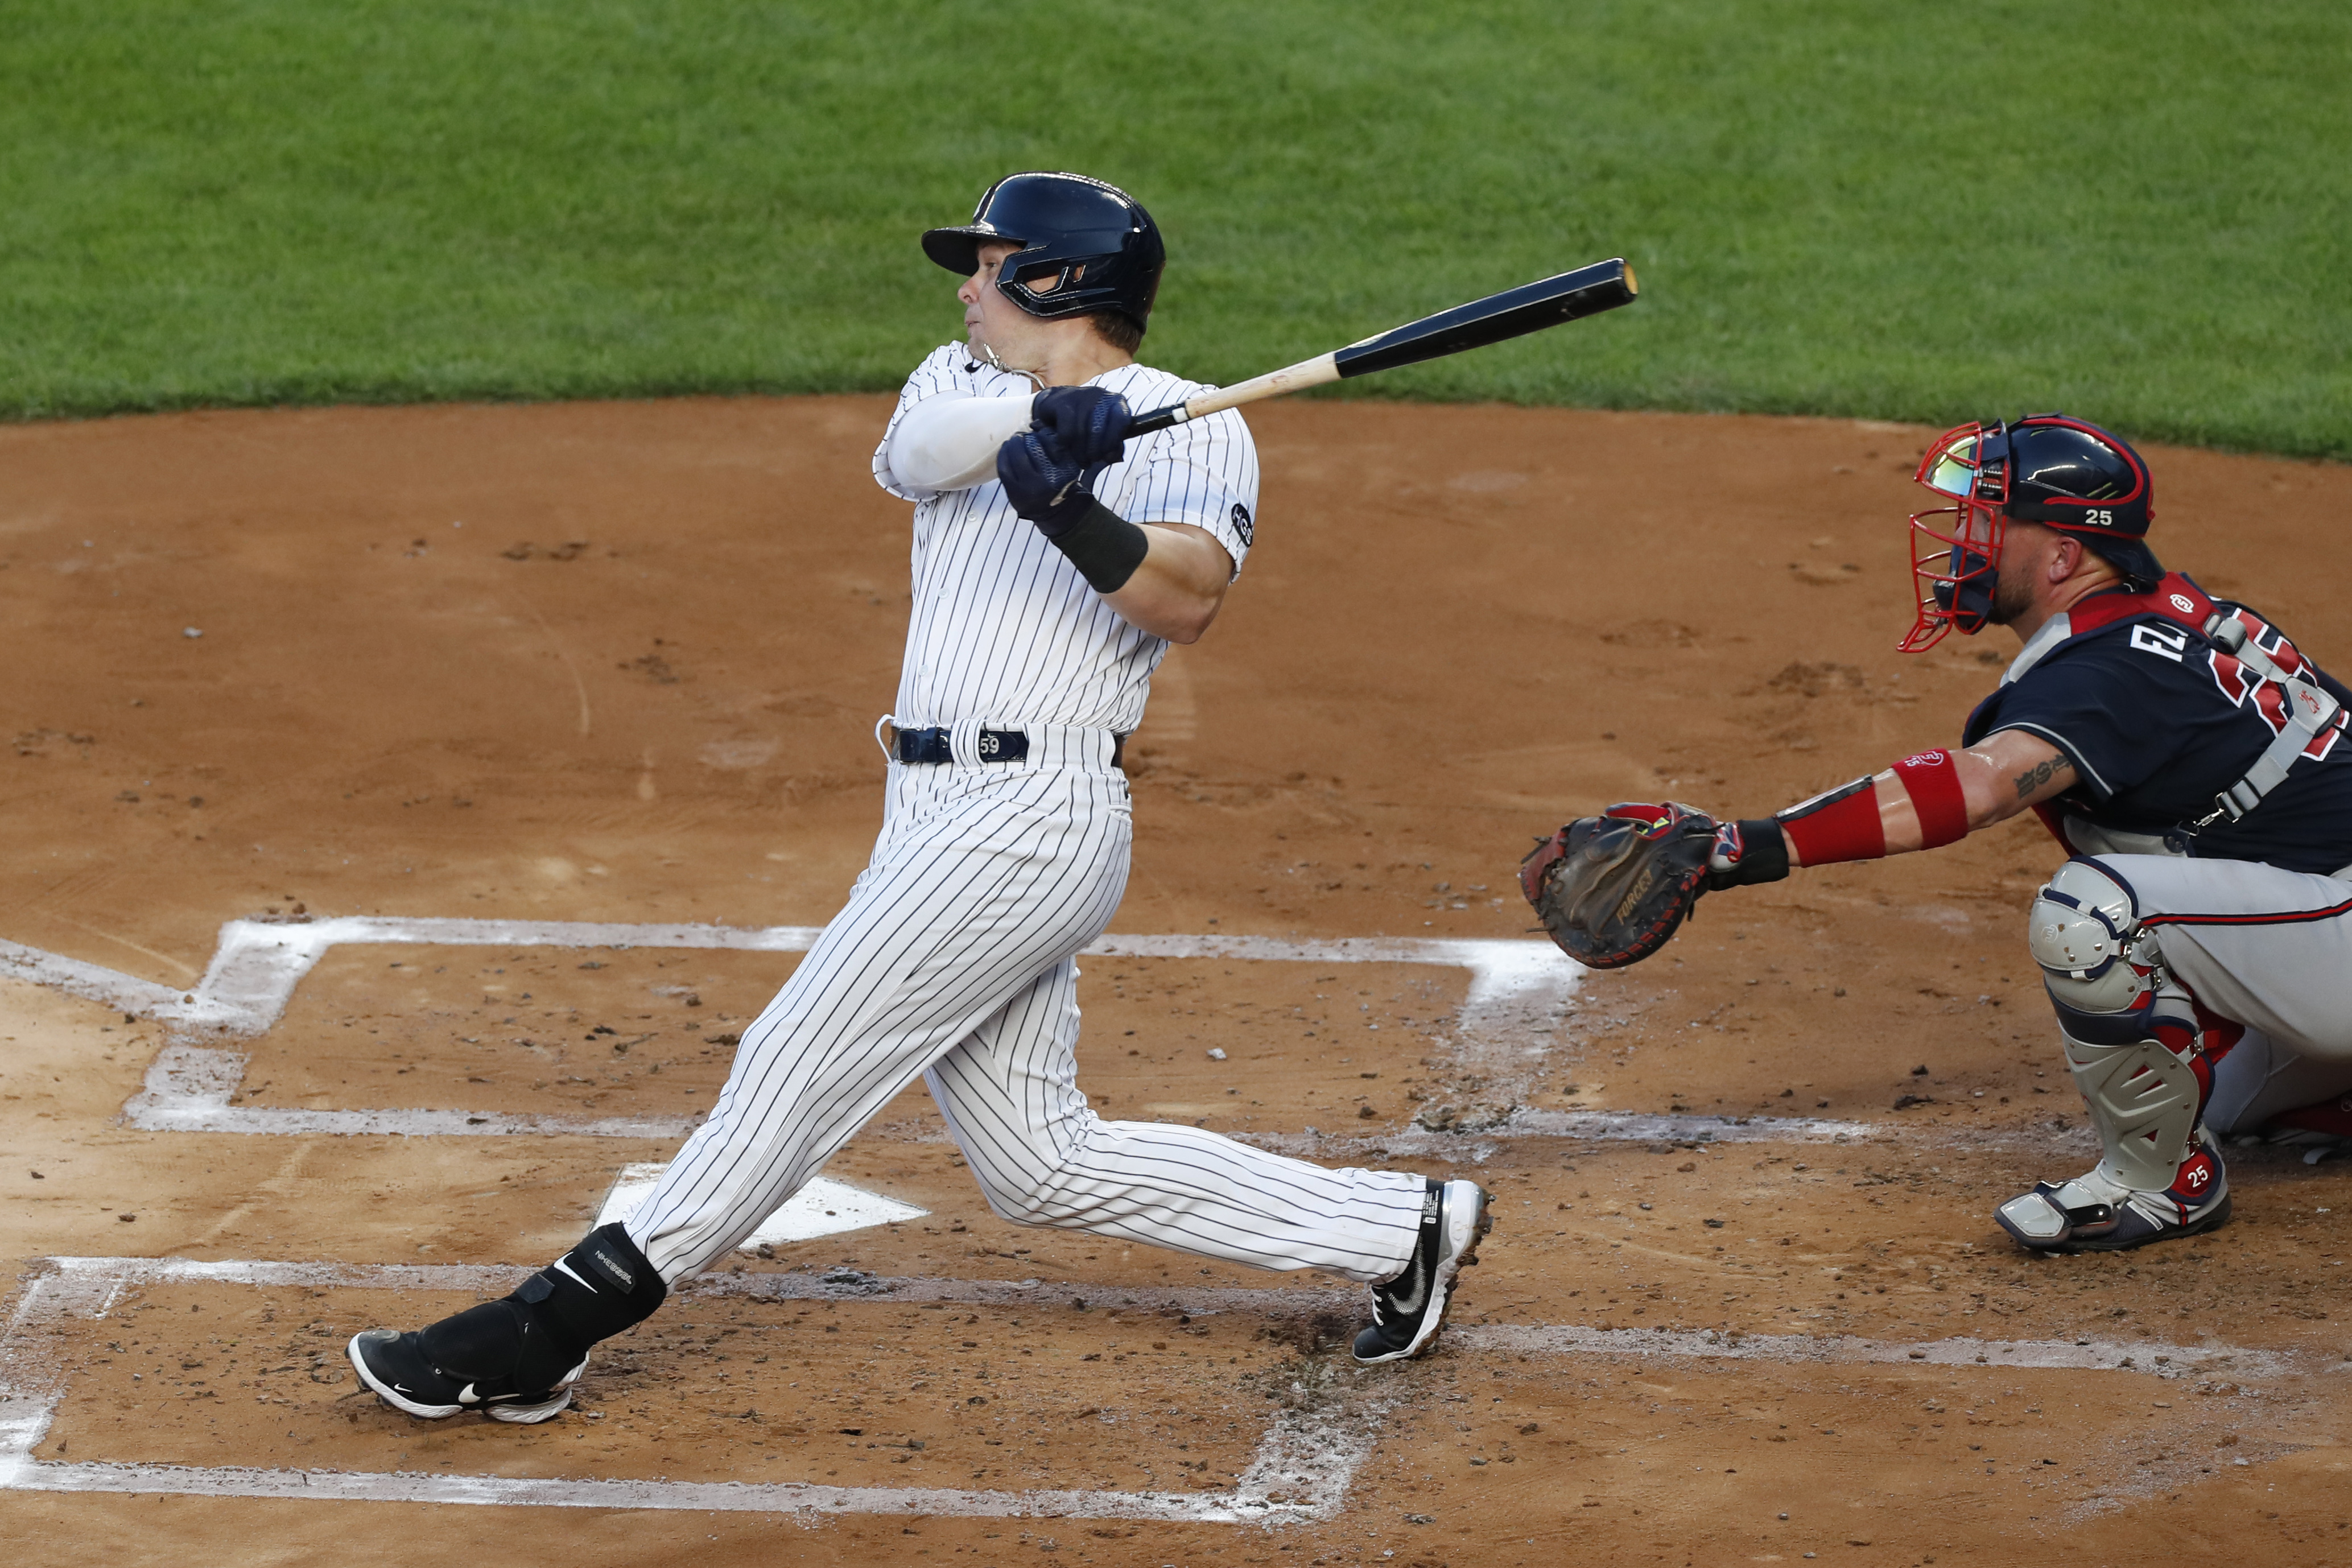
1274,383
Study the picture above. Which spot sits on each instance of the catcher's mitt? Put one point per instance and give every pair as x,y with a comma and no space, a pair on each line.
1611,889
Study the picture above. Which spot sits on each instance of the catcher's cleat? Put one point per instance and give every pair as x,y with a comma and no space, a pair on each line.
403,1374
2094,1213
1408,1310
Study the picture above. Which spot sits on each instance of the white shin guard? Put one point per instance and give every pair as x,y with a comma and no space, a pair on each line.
2157,1174
2143,1102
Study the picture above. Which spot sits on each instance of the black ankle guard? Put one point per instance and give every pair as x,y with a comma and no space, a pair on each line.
1104,546
542,1332
593,1292
490,1341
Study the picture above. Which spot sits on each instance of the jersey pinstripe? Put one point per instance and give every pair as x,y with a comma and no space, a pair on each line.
1003,630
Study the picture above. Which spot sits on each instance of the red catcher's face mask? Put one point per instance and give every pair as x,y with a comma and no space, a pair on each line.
1956,549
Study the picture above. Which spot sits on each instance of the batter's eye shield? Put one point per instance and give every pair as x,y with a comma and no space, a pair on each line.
1956,549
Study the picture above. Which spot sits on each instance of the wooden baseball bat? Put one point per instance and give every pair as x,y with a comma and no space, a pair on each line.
1514,312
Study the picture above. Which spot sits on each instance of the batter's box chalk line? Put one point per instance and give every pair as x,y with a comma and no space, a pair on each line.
1301,1469
1518,995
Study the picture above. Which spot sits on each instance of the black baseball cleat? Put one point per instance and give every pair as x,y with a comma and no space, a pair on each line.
402,1375
1408,1310
516,1359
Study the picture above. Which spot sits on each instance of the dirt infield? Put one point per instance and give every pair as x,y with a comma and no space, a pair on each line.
620,663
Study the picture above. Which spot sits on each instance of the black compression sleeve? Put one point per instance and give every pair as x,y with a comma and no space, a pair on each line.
1104,546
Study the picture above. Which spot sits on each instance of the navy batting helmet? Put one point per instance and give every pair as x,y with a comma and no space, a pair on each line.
1085,246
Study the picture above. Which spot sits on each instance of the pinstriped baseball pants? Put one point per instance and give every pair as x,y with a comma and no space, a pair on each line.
956,960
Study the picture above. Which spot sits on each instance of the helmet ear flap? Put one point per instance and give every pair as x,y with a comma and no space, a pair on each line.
1042,278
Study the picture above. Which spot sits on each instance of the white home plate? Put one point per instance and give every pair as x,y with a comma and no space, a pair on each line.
822,1208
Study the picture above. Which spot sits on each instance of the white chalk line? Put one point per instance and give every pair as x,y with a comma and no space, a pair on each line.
2149,1358
88,980
1516,997
1518,990
1302,1470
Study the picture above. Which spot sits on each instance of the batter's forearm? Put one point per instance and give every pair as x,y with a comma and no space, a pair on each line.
951,443
1177,587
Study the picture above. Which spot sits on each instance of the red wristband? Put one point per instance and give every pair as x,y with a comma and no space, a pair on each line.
1933,782
1840,825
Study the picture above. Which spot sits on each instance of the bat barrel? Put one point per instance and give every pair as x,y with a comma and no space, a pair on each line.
1587,291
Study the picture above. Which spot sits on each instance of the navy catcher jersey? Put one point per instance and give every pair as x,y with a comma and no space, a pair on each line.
2158,720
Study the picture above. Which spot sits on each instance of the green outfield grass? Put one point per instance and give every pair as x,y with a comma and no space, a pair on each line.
2138,211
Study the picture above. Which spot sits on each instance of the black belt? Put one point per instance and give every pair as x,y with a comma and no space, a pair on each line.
931,746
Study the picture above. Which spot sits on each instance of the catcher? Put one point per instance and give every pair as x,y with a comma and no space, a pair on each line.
2197,944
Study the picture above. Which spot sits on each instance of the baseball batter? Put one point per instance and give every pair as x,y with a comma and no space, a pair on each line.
1053,566
2198,944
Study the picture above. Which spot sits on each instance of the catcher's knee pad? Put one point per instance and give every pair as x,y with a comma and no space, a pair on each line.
2084,932
593,1292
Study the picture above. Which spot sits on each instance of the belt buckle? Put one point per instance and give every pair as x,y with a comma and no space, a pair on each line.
922,748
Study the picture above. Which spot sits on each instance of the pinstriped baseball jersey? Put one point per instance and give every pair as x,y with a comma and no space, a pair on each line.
1003,630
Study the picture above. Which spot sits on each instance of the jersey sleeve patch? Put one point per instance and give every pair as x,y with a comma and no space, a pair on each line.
1203,472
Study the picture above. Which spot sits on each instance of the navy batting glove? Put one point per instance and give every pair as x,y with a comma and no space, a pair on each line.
1085,422
1049,488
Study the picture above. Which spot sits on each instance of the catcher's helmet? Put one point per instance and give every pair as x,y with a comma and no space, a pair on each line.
2063,473
1085,246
